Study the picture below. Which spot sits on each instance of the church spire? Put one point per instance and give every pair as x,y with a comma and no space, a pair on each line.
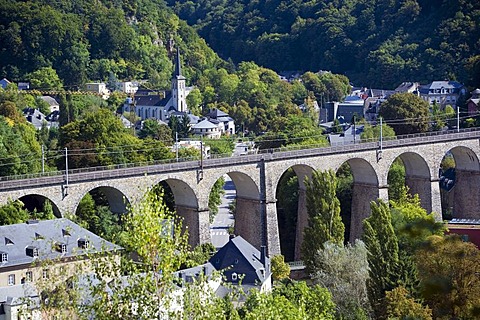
178,66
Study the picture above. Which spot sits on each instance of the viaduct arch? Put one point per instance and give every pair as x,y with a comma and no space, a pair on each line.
256,178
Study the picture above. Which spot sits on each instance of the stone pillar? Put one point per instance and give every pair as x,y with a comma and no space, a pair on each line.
423,187
436,199
271,229
302,222
248,222
197,223
362,195
466,198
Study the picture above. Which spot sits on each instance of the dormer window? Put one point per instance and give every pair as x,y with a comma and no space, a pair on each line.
61,247
66,233
3,257
234,276
32,251
83,243
8,242
38,236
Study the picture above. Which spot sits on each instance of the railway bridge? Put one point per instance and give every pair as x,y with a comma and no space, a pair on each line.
256,178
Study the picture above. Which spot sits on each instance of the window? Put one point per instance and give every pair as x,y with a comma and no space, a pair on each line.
3,257
45,274
234,276
29,276
11,279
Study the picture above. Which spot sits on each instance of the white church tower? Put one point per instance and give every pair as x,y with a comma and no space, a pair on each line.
178,87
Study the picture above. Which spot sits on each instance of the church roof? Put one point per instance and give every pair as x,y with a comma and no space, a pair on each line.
153,100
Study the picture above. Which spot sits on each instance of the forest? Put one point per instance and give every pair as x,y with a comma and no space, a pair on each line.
375,43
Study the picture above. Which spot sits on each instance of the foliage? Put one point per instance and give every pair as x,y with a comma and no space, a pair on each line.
151,128
344,272
401,306
12,212
280,269
449,281
20,152
396,180
324,221
45,78
406,113
223,146
383,256
379,43
372,133
344,195
200,255
215,198
287,210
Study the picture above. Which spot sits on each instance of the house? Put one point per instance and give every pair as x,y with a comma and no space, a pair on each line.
127,87
159,104
410,87
4,83
24,86
207,129
473,104
54,106
241,264
468,229
33,252
350,136
346,110
442,93
35,117
99,88
225,123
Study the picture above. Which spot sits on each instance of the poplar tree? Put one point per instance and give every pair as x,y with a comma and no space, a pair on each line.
324,221
383,256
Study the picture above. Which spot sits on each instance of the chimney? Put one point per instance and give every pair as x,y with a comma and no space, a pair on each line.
263,254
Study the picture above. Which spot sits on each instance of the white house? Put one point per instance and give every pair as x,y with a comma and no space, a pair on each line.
442,92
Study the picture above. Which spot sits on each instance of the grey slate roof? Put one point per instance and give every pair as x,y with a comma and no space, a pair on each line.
50,100
45,236
456,86
239,256
205,124
152,100
215,113
35,117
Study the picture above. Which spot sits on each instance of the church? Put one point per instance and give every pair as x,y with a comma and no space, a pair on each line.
156,104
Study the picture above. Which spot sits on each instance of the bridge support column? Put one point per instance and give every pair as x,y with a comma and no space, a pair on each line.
302,222
466,198
429,192
198,224
248,221
436,200
272,234
257,230
362,195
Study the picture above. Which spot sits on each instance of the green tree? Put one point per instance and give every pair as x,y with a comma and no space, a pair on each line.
344,272
324,221
45,79
215,198
383,256
449,281
12,212
151,128
280,270
396,180
372,133
405,113
401,306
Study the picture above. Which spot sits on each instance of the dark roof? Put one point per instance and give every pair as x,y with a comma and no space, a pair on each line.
153,100
240,257
456,86
215,113
45,236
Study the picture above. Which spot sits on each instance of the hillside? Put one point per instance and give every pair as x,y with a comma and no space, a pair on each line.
375,43
91,40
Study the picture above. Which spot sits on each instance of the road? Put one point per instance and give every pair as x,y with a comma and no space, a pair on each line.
223,219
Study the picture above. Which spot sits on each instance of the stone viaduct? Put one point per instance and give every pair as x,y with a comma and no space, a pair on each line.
256,178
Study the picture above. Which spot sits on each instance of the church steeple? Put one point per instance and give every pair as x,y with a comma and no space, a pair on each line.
178,86
178,66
